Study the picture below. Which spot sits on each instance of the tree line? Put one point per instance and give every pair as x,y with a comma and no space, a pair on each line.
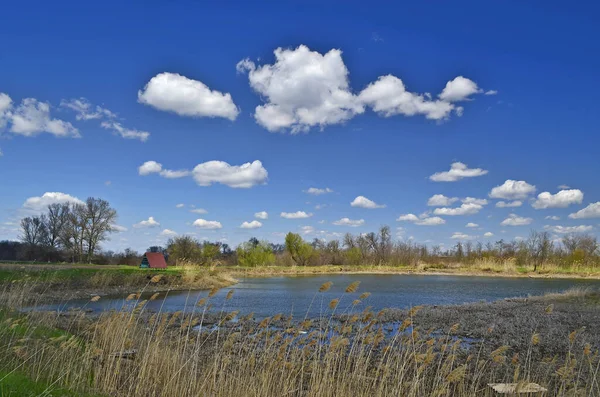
378,248
67,232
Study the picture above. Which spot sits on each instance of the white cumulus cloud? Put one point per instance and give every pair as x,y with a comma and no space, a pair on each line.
553,217
181,205
591,211
509,204
41,203
512,190
205,174
32,118
150,167
204,224
462,236
464,209
388,97
172,92
439,200
304,89
421,221
363,202
251,225
471,224
236,176
569,229
168,233
349,222
295,215
150,222
261,215
488,234
515,220
457,172
318,191
562,199
459,89
473,200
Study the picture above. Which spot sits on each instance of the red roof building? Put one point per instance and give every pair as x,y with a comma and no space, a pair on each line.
153,260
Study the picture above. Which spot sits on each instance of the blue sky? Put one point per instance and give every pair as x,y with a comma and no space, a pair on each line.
308,96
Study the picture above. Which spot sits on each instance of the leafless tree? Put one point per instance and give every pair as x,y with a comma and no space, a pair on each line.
58,216
539,246
33,231
99,221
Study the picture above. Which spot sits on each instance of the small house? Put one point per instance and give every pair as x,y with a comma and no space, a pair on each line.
153,260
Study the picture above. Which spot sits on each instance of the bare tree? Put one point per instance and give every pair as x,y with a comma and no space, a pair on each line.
99,221
33,231
540,247
58,216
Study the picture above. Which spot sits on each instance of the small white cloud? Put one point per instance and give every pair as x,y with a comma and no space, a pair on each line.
295,215
32,118
515,220
150,167
151,222
318,191
457,172
591,211
510,204
85,110
172,92
307,229
512,190
251,225
491,92
168,233
235,176
261,215
363,202
127,133
488,234
439,200
199,211
473,200
564,187
562,199
408,218
38,204
471,224
388,96
119,228
464,209
204,224
459,89
349,222
553,218
462,236
421,221
205,174
180,206
569,229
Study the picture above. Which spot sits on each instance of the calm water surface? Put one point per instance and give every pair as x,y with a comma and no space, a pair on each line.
268,296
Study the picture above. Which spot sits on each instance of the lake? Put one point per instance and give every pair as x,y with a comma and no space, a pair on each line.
272,295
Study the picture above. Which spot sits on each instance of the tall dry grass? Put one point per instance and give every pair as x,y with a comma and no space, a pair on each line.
205,350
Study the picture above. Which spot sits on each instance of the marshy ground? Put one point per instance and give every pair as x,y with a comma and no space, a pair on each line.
208,350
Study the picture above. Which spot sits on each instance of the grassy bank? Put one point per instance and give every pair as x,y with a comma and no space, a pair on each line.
82,281
479,268
347,350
